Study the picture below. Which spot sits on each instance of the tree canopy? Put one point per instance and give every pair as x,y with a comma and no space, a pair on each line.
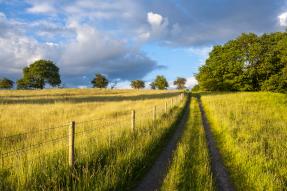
247,63
100,81
6,83
137,84
160,82
180,83
38,74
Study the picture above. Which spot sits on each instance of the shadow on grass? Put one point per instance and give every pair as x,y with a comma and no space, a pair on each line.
88,99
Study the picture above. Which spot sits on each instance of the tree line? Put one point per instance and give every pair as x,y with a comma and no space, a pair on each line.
247,63
45,72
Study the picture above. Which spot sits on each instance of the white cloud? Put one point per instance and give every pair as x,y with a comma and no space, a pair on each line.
190,82
283,19
41,8
158,24
154,19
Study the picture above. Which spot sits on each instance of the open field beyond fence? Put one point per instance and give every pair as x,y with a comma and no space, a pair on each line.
116,134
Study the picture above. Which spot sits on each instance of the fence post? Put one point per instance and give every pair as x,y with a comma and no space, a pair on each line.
133,120
154,114
171,103
72,144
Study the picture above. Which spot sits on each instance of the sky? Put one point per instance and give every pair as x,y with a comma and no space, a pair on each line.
126,39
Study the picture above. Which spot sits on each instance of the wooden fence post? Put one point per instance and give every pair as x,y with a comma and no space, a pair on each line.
72,144
133,120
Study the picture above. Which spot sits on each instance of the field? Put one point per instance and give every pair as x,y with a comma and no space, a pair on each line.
115,147
109,154
250,130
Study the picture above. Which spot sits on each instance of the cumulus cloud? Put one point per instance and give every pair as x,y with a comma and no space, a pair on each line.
283,19
43,7
86,36
91,51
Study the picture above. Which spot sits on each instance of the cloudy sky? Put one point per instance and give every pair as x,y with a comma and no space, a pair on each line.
126,39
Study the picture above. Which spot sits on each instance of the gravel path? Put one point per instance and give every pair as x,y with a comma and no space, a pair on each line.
154,177
219,172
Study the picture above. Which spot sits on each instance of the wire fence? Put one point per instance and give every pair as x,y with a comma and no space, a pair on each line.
30,146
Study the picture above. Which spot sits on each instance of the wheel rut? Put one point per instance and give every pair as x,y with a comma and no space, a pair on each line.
220,173
156,174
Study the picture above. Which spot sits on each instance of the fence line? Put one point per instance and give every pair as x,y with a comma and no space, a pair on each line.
155,112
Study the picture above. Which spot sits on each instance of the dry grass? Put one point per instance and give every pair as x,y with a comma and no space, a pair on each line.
108,152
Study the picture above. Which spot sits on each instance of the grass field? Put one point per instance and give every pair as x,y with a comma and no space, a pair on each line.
250,130
109,155
190,168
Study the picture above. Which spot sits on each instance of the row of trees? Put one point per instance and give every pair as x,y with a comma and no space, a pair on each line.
160,82
248,63
45,72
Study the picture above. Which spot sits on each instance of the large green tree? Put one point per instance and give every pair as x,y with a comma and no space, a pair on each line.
160,82
38,74
180,83
247,63
137,84
100,81
6,83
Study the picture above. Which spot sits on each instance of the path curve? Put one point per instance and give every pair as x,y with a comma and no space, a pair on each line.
154,177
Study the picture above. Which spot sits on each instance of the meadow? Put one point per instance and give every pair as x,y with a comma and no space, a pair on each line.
109,154
251,134
190,168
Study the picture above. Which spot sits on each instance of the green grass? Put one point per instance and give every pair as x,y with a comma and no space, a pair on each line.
251,133
111,157
190,167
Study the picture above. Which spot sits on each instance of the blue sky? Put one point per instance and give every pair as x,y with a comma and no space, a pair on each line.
126,39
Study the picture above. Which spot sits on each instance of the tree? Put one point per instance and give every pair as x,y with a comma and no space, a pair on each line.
100,81
152,85
137,84
180,83
160,83
6,83
247,63
38,74
22,84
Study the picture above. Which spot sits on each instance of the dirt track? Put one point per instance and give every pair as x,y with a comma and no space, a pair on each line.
154,177
219,172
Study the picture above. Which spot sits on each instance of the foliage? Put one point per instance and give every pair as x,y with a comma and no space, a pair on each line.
6,83
248,63
180,83
38,74
160,82
152,85
137,84
100,81
195,88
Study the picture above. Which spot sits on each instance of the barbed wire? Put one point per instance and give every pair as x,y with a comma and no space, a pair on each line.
31,147
161,108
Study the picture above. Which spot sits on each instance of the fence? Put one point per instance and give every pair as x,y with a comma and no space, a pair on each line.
68,134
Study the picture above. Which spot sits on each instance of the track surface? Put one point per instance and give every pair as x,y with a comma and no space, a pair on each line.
219,171
154,177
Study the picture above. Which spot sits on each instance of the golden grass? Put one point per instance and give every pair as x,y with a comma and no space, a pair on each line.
103,120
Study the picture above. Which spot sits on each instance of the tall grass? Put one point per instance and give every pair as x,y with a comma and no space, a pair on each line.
190,168
251,133
109,156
